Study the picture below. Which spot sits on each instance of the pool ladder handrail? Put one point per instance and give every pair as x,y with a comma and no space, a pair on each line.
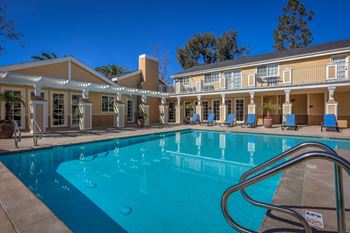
18,134
36,135
328,154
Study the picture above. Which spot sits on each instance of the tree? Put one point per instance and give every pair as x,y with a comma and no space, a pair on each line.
111,70
10,101
164,61
45,56
7,29
292,30
207,48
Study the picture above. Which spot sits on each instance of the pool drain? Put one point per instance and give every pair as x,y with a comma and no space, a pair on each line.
126,211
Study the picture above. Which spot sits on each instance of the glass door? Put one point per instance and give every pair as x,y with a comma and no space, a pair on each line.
216,109
172,112
205,110
15,112
58,111
239,110
75,110
131,110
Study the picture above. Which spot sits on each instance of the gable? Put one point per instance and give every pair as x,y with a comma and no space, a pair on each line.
81,74
57,70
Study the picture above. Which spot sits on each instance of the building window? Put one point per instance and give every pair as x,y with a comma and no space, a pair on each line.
14,112
172,112
234,79
107,103
131,110
229,106
216,109
211,78
184,81
205,110
58,111
267,71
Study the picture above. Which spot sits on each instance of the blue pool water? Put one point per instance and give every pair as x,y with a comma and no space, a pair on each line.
169,182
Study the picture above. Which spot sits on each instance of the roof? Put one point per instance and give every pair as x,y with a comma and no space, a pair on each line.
124,75
269,56
24,65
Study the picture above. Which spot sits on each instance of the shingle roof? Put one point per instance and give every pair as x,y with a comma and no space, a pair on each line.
270,56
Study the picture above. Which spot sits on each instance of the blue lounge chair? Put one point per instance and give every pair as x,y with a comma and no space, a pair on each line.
211,119
290,122
251,121
329,121
231,120
194,119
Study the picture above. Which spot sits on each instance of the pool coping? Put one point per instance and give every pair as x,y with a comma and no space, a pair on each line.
21,210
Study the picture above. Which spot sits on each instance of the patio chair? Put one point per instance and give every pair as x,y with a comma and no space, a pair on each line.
231,120
210,120
251,121
329,121
194,119
290,122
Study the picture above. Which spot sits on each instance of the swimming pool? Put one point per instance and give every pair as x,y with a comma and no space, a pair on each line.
168,182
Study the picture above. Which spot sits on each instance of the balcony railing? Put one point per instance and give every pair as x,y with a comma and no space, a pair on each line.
287,76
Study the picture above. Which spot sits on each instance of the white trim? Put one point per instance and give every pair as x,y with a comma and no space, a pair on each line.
252,75
287,70
117,78
23,97
266,62
65,102
234,102
335,71
109,96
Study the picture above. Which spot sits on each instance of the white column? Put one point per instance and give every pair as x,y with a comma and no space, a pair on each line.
163,112
145,107
199,107
287,105
38,110
179,111
251,106
85,109
223,109
119,109
331,104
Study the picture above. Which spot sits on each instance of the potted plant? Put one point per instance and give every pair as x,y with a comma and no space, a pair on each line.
7,125
268,107
141,117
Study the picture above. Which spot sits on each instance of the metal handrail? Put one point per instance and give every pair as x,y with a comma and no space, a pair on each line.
35,135
339,162
281,156
18,137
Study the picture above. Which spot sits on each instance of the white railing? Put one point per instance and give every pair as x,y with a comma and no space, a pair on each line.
18,134
36,135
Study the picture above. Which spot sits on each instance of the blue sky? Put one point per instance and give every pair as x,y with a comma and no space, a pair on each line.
105,32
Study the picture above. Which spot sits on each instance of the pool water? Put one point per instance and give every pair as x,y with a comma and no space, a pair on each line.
168,182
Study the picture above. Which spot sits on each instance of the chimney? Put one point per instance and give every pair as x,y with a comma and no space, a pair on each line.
149,67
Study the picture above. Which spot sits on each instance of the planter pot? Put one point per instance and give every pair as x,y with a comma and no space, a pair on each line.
6,129
140,122
268,122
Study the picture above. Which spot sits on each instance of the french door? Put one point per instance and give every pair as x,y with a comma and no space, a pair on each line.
172,112
58,110
75,109
205,110
216,109
239,110
131,110
342,66
16,111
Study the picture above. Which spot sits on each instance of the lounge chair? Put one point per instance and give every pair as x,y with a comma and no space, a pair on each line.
211,119
251,121
290,122
231,120
329,121
194,119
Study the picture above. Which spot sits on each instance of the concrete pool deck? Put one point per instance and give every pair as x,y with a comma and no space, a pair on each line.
300,186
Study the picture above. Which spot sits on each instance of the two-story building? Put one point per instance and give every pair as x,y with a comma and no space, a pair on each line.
308,82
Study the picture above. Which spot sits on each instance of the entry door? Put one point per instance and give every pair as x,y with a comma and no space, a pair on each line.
131,110
205,110
172,112
239,110
75,110
342,67
216,109
16,112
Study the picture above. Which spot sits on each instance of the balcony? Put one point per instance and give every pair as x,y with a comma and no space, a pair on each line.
286,77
